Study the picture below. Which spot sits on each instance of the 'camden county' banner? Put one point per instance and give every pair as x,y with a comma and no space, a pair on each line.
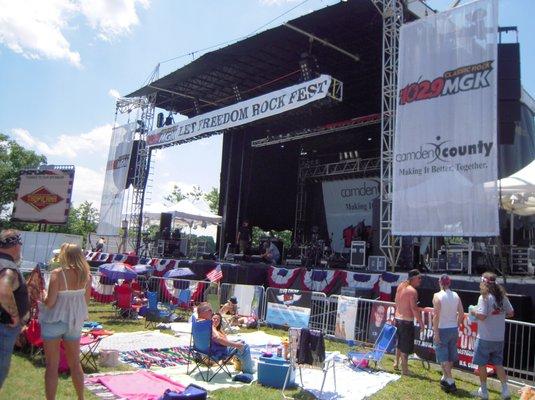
446,124
347,203
243,112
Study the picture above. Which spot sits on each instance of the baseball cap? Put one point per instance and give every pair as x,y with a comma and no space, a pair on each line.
233,300
56,251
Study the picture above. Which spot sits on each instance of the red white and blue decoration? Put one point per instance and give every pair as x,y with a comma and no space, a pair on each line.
360,280
321,280
216,274
117,271
162,265
386,282
178,273
282,277
102,289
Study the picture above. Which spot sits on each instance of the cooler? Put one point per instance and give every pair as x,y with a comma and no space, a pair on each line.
272,372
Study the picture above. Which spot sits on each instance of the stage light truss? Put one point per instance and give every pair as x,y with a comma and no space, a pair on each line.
322,130
129,104
344,167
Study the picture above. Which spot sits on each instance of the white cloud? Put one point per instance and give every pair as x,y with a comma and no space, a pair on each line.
114,93
88,184
95,141
111,18
35,28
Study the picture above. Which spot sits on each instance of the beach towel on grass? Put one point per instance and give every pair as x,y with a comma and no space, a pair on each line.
140,385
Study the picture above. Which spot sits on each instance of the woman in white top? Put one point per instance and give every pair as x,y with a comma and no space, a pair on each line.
62,314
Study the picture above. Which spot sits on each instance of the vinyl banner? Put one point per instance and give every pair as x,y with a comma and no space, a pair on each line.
44,196
348,203
243,112
445,145
346,316
288,307
111,204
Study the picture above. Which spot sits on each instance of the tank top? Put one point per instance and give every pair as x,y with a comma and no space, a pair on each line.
70,308
449,303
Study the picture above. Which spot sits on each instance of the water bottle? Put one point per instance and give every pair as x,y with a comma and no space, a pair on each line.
471,316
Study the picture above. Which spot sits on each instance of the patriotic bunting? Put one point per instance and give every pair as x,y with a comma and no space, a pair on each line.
360,280
171,291
282,277
386,282
321,280
102,289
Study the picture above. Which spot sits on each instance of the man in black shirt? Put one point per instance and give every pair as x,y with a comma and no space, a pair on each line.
244,238
14,304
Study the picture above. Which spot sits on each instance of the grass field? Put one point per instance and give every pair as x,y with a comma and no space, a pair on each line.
25,380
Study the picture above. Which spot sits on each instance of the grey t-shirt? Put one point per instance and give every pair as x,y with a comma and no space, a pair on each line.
493,327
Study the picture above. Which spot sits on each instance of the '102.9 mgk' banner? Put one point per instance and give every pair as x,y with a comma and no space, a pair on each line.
445,147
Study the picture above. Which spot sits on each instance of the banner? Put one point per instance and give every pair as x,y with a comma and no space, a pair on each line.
243,112
288,307
348,210
379,315
445,145
346,317
111,204
43,196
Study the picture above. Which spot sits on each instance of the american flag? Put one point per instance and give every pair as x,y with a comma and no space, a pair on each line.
215,275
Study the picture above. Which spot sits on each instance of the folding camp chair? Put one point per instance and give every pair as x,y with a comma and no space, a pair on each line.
88,347
204,355
319,361
153,315
124,307
32,332
385,338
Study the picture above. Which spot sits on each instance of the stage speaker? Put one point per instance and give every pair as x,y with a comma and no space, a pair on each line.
377,263
357,257
165,225
509,91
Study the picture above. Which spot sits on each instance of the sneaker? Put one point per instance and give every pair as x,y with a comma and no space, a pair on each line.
452,388
482,394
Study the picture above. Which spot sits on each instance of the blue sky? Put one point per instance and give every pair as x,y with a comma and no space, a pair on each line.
62,61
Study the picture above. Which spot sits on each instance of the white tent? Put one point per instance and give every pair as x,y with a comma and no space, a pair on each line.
184,213
518,191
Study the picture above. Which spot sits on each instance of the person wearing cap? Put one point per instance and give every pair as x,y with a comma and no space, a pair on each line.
448,314
406,311
230,307
492,308
14,302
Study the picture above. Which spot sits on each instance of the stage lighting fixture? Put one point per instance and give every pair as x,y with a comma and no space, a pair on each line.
169,120
159,120
369,139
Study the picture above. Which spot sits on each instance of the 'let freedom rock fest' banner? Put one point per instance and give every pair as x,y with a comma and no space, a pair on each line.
446,124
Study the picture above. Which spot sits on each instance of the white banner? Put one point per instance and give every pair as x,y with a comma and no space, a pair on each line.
446,124
243,112
348,209
346,316
44,196
111,205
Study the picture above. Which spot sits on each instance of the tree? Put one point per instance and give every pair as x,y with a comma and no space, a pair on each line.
13,158
195,194
212,198
176,196
82,221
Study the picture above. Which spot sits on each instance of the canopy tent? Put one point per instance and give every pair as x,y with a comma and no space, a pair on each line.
517,191
183,213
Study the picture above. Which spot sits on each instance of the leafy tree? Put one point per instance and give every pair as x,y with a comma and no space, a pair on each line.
82,221
13,158
176,196
212,198
195,194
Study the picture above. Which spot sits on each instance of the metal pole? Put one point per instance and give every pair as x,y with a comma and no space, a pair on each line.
470,247
512,226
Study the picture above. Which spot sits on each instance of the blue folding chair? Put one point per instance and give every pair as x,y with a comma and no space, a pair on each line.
379,349
153,315
204,355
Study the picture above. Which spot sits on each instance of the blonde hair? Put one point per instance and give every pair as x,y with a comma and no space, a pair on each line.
71,256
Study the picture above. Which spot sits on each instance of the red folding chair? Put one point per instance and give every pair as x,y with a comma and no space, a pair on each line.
124,307
88,347
33,336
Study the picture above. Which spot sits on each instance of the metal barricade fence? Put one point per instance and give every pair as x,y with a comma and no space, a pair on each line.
169,289
519,351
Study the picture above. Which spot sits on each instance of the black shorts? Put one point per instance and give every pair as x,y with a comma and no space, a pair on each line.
405,335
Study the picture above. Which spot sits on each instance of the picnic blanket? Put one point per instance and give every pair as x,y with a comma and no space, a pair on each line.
140,385
364,383
148,358
131,341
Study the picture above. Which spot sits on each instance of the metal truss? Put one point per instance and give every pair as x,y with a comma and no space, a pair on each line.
392,13
142,165
322,130
311,169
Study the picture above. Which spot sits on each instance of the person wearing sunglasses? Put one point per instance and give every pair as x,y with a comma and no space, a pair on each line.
14,303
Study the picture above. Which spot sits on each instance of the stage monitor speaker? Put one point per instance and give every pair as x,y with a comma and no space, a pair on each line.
509,91
377,263
357,257
165,225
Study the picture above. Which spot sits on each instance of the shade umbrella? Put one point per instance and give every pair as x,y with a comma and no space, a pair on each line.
178,273
143,268
117,270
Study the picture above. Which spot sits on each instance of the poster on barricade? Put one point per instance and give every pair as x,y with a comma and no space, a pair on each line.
346,317
249,299
379,315
288,307
445,147
423,343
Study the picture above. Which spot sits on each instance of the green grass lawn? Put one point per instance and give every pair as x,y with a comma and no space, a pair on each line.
26,378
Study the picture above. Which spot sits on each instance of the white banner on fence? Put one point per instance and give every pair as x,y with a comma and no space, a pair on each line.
111,205
243,112
446,124
348,203
346,317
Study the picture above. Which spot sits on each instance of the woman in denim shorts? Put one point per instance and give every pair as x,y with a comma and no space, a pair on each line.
62,314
